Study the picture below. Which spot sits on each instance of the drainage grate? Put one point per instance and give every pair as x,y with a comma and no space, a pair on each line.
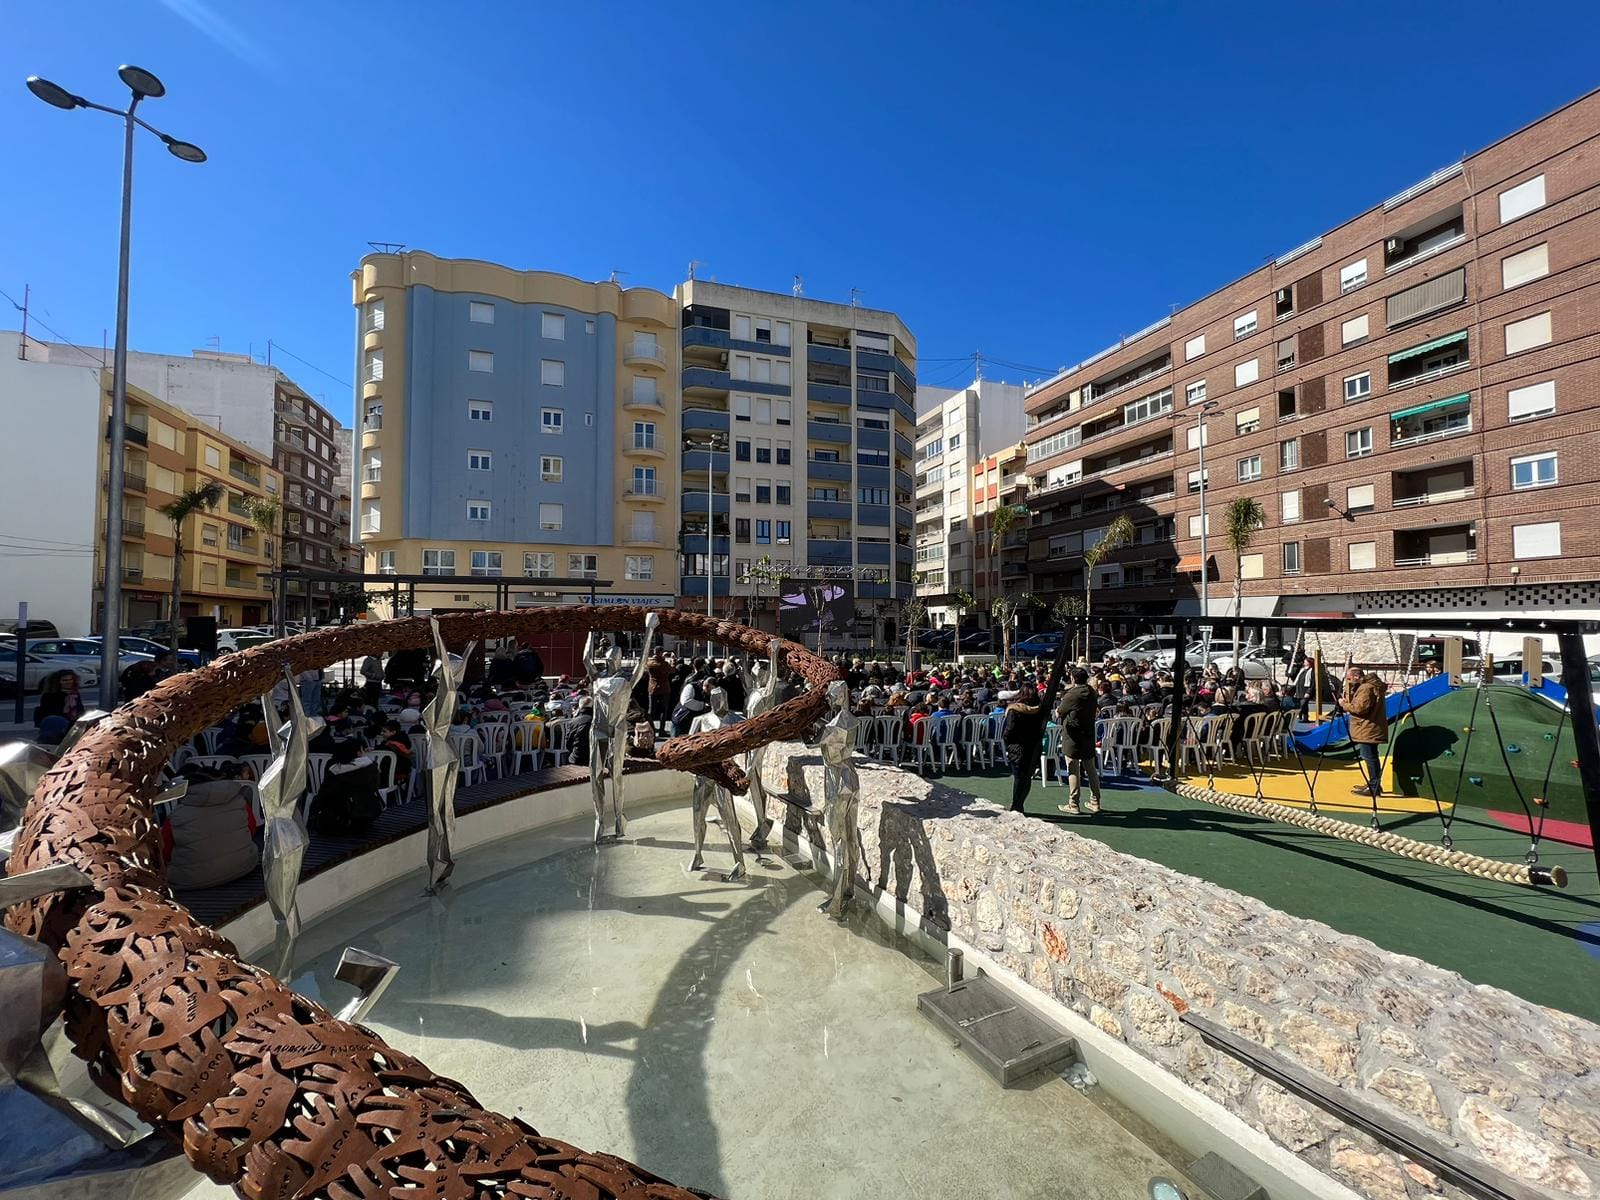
1010,1041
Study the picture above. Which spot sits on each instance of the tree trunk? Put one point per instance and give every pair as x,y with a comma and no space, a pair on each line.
177,584
1238,600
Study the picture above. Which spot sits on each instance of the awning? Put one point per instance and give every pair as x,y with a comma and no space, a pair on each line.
1190,564
1429,406
1449,339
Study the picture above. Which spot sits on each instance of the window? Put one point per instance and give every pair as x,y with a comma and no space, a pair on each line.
644,526
438,562
644,390
639,567
374,472
386,562
1139,410
1362,556
1354,330
1359,497
1288,404
486,562
644,481
479,460
1194,347
552,372
477,510
1352,277
550,516
1521,200
539,564
549,468
1285,354
1357,387
784,533
1533,471
763,491
1194,527
784,494
1252,566
375,315
1250,468
872,458
785,454
741,450
1246,372
763,533
553,326
213,457
480,410
480,312
588,324
832,456
781,412
741,489
583,566
1289,454
741,529
1541,540
780,333
763,411
740,366
552,420
371,518
374,415
1358,442
1194,480
1528,333
1525,265
374,366
1197,436
481,361
644,435
1291,558
741,408
933,449
1535,400
874,495
1247,420
235,536
1195,392
764,450
1289,507
955,438
1244,326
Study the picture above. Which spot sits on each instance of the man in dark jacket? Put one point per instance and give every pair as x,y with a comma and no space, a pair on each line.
1021,731
1076,715
1364,701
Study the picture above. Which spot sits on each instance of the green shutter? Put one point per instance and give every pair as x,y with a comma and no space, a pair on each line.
1429,406
1447,340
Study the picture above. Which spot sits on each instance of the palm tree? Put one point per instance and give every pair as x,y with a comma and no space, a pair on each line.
263,512
1000,524
203,498
1244,515
1119,533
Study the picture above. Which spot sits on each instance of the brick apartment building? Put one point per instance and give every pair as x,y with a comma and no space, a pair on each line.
1414,398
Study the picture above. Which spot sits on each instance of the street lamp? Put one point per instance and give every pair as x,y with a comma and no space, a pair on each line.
143,85
1200,412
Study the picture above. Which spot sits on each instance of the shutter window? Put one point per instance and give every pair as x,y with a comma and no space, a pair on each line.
1430,296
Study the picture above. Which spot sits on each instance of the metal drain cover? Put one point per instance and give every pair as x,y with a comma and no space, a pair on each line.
1009,1040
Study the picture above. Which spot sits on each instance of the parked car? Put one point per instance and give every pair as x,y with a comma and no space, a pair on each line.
230,640
1510,668
130,643
36,669
71,652
1038,645
1262,662
36,628
1148,647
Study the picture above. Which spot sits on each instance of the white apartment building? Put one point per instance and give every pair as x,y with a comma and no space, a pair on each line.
956,429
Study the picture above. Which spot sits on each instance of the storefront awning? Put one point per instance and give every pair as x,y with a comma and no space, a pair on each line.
1449,339
1190,564
1429,406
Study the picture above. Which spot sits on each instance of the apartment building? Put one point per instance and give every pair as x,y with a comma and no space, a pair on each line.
1000,480
1412,397
956,429
515,424
797,428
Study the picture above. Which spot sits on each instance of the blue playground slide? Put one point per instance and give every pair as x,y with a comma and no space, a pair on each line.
1331,733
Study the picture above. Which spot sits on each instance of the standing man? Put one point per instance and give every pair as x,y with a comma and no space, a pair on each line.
660,672
1022,730
612,690
1364,702
1076,714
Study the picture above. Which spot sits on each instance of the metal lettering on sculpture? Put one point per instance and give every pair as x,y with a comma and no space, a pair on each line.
283,837
608,736
759,697
841,796
266,1090
443,762
707,792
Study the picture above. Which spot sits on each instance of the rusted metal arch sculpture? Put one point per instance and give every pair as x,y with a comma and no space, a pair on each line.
267,1090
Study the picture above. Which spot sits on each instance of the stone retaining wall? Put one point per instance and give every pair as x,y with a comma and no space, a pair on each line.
1130,945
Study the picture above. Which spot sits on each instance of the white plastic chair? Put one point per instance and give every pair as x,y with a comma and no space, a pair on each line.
469,753
208,740
496,739
1254,739
921,748
255,764
996,745
1051,762
387,762
214,762
1119,744
1154,744
891,737
316,771
975,738
527,742
555,743
946,738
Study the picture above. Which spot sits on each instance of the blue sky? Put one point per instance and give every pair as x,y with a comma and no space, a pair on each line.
1031,181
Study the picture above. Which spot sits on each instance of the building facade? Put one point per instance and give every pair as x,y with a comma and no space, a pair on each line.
957,428
1411,397
515,424
796,446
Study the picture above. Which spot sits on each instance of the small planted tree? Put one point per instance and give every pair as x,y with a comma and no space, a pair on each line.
765,573
1119,533
200,499
1243,516
962,602
1005,611
1066,612
915,615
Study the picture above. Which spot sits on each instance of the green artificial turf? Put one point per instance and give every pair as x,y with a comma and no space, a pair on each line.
1531,942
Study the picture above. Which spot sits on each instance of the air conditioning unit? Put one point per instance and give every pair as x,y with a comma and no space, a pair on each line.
1392,246
1283,295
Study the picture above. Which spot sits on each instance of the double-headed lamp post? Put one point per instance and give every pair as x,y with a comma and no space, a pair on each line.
143,85
1200,411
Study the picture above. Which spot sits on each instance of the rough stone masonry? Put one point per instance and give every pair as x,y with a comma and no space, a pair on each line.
1130,945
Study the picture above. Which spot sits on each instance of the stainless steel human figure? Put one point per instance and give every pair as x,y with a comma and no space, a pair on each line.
283,838
608,736
443,762
706,792
841,796
759,697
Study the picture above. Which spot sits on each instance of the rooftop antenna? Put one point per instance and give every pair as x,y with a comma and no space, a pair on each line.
977,366
855,297
799,286
215,342
694,263
616,275
387,247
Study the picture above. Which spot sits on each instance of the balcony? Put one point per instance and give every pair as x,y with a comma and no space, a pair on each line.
134,430
1441,558
697,502
705,420
1131,378
132,529
838,356
238,507
819,392
695,585
1431,422
133,572
1437,546
241,472
645,446
828,472
697,460
710,379
1424,240
828,552
827,431
644,352
1437,485
828,510
650,403
650,493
